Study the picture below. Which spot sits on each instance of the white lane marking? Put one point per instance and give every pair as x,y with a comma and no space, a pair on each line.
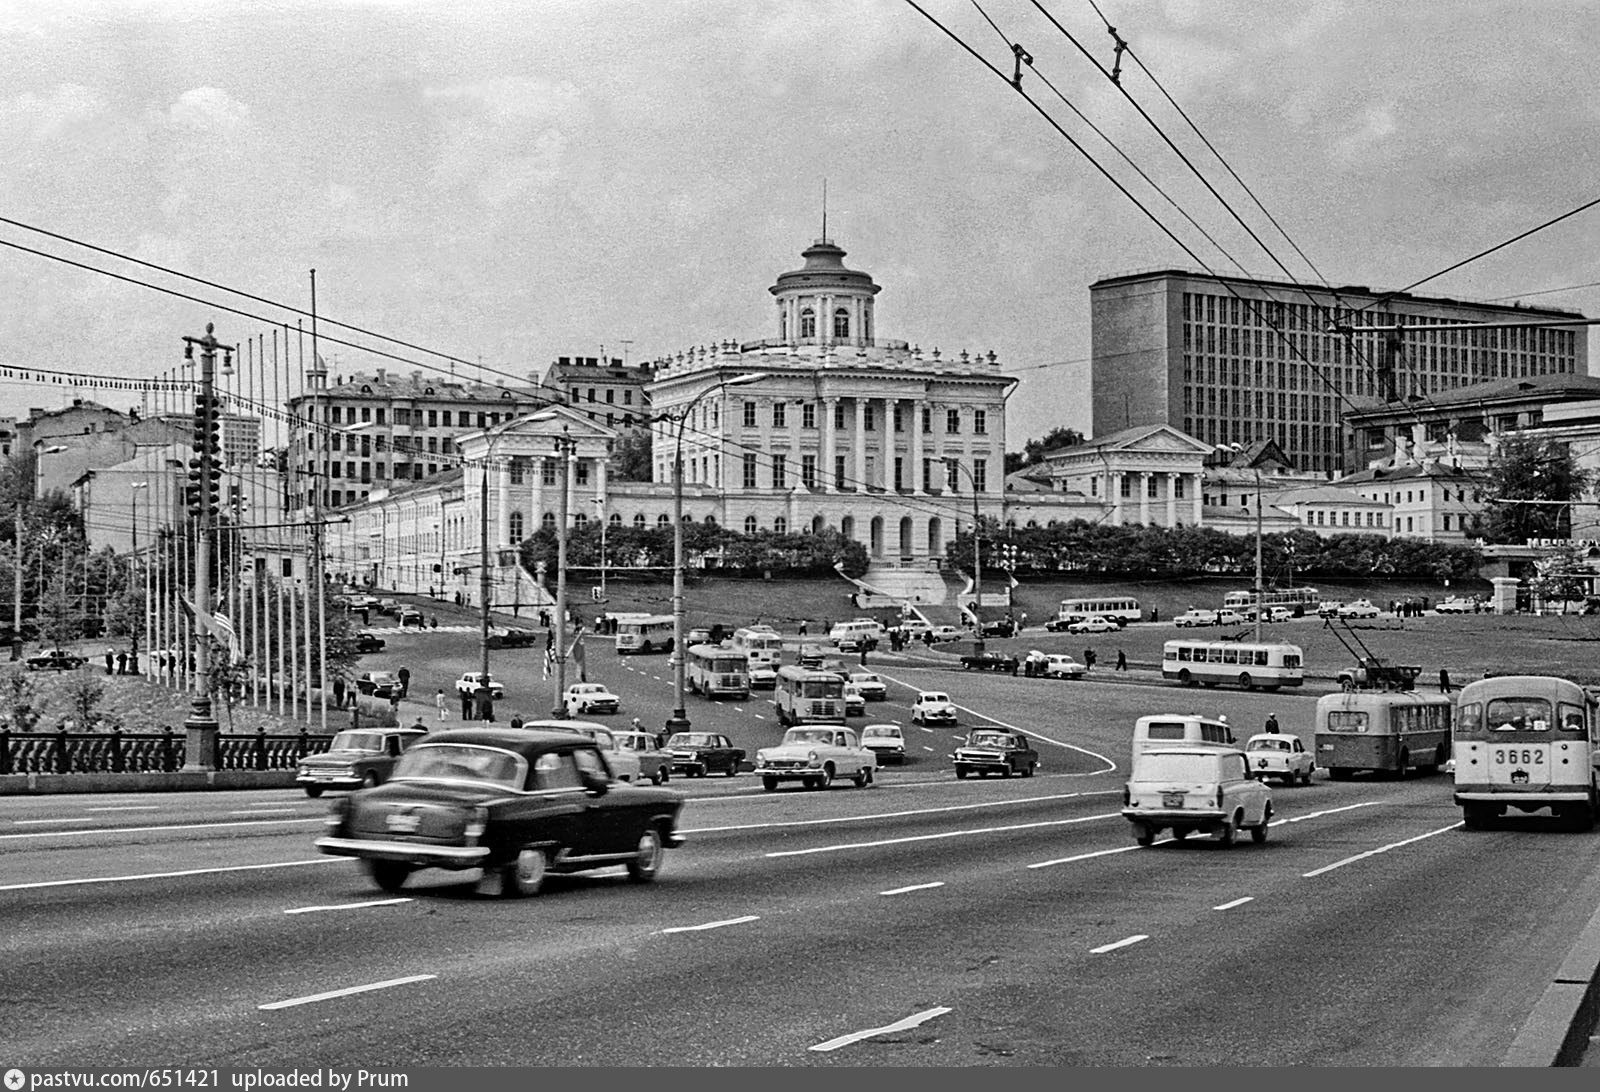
758,716
346,906
1327,811
921,728
944,834
888,1029
346,992
913,887
738,708
1123,943
168,875
1096,853
175,826
959,739
712,924
41,822
129,807
1235,902
926,747
268,804
268,811
898,814
1375,852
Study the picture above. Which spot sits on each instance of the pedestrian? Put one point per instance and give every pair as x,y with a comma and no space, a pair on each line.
927,637
466,707
404,674
394,706
1122,660
338,693
433,621
516,720
863,655
1155,614
1272,724
122,662
1088,659
438,699
802,627
1444,681
110,656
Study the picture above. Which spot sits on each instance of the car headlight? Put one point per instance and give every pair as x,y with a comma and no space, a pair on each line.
337,811
814,760
476,824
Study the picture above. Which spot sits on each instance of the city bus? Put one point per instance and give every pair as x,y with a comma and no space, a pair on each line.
1385,731
1119,608
643,633
762,646
1306,599
804,695
1268,665
717,672
1526,742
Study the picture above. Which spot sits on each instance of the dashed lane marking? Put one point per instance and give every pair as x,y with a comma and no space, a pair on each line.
925,747
888,1029
1235,902
346,906
944,834
149,830
1123,943
712,924
890,814
913,887
129,807
1380,849
346,992
41,822
169,875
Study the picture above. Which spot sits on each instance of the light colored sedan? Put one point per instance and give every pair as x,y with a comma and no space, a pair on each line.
1280,755
886,741
1096,624
1195,618
584,699
871,686
624,763
1361,608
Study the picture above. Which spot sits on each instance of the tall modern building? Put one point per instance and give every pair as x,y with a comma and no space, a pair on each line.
1230,359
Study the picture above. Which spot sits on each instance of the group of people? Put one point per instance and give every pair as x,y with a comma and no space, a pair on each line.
123,662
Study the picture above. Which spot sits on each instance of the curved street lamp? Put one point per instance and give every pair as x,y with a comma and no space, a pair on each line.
679,721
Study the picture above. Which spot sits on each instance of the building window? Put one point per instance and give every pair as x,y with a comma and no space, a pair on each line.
433,418
1447,521
1125,488
779,471
952,421
899,418
638,520
663,521
780,415
927,420
980,475
780,526
899,473
547,472
516,471
808,415
366,413
380,415
980,422
616,519
927,475
808,471
838,417
1177,488
749,415
516,527
1150,486
611,395
749,525
582,468
869,420
952,476
549,521
335,441
808,323
841,323
580,521
838,471
333,415
627,397
749,470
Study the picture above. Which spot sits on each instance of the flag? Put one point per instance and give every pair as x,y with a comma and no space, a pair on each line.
576,653
549,658
225,627
1014,580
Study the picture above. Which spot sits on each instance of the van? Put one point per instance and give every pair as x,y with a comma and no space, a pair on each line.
857,634
1177,730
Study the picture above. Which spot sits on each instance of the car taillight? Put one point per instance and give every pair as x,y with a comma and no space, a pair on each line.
337,810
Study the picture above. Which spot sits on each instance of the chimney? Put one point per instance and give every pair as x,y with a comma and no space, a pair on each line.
381,376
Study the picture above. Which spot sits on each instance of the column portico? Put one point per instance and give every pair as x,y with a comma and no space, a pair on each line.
1114,491
829,442
916,445
861,445
1145,477
502,491
1195,497
536,493
1172,498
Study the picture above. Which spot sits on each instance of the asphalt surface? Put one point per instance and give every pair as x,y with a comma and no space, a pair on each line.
922,921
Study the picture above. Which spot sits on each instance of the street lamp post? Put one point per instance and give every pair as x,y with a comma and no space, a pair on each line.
565,445
600,506
977,559
201,726
679,721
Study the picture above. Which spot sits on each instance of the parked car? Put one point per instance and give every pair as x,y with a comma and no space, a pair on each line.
990,661
1279,755
946,633
516,638
1189,789
362,602
1279,614
56,659
492,799
885,741
1328,608
1059,625
855,703
995,750
1000,627
814,755
1358,608
388,606
1457,605
871,686
582,699
696,754
410,616
1061,666
356,758
933,707
1095,624
1229,617
1194,617
378,684
369,642
915,627
467,685
654,763
624,764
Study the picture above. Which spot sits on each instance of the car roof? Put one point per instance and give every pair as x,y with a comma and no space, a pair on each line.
1196,749
520,740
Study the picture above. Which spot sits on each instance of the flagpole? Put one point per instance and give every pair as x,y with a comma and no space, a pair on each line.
284,483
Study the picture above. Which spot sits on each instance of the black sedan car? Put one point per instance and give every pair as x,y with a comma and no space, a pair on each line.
56,659
696,754
369,642
516,638
990,661
517,803
994,750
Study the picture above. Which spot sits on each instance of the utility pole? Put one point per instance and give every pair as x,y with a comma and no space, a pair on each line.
565,445
204,476
1259,595
484,692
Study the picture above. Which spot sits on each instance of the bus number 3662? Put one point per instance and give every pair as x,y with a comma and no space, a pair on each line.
1511,756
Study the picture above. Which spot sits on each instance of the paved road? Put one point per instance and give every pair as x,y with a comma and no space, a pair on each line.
988,922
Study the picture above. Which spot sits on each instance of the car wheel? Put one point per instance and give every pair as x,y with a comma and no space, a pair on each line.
1228,830
370,781
660,776
646,863
525,875
1027,771
1246,681
770,784
733,768
313,791
390,876
1305,778
827,776
1258,833
1185,678
961,773
1144,834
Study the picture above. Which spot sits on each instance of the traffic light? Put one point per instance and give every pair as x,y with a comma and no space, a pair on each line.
205,467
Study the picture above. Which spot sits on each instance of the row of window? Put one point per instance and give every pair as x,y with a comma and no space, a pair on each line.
780,468
808,323
610,393
808,418
347,415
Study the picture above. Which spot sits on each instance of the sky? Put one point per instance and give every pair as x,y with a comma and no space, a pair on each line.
512,182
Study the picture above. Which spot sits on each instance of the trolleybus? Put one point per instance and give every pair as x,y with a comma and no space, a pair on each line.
718,672
1526,742
1267,665
1304,598
804,695
1119,608
1385,731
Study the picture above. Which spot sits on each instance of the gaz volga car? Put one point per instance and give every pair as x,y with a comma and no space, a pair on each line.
516,803
995,750
356,758
814,755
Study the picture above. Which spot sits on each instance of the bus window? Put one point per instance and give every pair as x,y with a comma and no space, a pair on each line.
1345,721
1519,715
1185,653
1469,718
1571,718
1261,657
1230,655
1215,656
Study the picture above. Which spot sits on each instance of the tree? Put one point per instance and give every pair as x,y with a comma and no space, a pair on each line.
631,456
1033,452
1530,482
22,707
60,617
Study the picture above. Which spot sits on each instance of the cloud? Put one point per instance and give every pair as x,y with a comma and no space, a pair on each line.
209,110
503,137
29,116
